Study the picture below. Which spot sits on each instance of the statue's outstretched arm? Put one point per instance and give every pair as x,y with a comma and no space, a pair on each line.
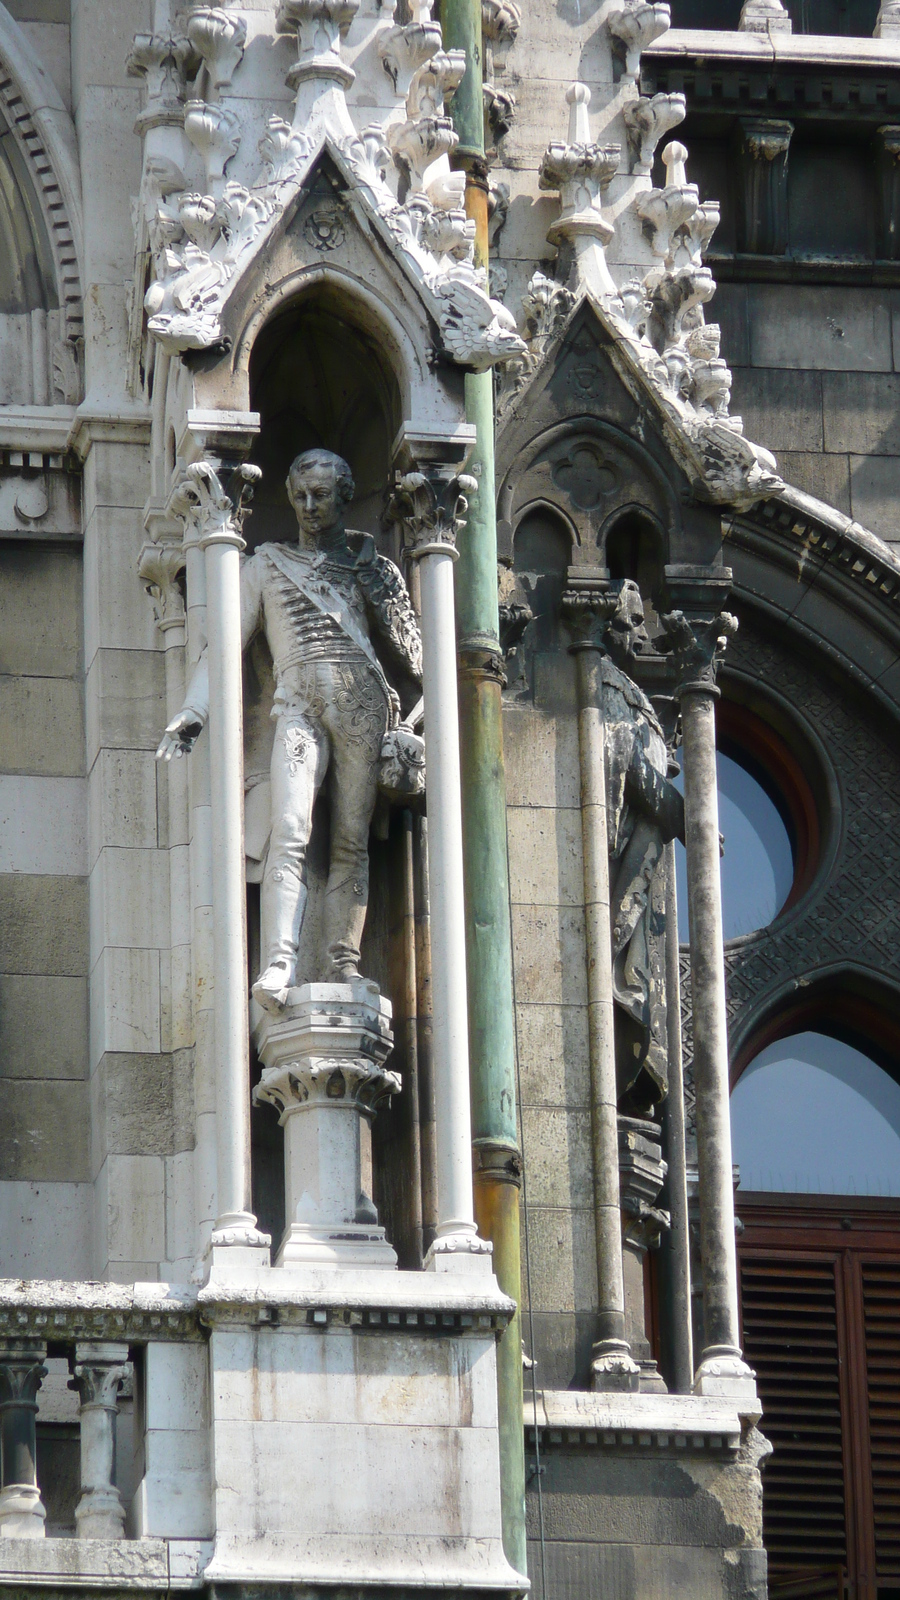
182,732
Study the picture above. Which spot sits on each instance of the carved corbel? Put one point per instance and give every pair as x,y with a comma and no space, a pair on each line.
403,50
666,213
889,189
499,114
500,23
633,29
647,121
215,131
764,16
887,25
434,83
762,213
219,38
160,569
320,26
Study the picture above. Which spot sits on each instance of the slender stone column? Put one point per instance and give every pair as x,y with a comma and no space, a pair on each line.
612,1365
431,509
698,644
98,1371
22,1371
678,1245
217,517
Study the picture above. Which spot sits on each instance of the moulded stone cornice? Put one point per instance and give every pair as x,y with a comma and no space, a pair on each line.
130,1313
673,1419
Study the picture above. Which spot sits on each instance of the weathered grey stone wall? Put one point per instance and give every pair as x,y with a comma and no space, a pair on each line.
542,770
44,1121
817,380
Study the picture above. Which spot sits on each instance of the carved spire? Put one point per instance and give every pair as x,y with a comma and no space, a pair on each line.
320,26
582,172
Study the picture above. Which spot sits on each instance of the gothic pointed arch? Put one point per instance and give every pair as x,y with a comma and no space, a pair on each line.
40,220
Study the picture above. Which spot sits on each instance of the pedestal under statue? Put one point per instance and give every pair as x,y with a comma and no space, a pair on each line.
337,618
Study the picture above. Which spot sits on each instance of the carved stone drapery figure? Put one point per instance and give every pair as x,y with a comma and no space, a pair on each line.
335,614
644,811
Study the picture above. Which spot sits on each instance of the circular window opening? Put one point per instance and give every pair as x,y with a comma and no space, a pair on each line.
813,1115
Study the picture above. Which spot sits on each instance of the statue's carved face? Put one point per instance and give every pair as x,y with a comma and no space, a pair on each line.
313,493
628,635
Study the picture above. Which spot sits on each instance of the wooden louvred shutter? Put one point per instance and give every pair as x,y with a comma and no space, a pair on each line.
881,1313
790,1335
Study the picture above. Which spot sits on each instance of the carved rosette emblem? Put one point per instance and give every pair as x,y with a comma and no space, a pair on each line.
324,228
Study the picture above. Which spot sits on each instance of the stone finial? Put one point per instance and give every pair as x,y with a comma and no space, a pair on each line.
582,172
888,23
764,16
320,26
649,120
635,27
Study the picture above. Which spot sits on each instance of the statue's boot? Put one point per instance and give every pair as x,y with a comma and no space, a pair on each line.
283,902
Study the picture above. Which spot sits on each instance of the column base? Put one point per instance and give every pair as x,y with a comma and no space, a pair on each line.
22,1513
100,1514
237,1242
462,1252
724,1374
613,1369
344,1245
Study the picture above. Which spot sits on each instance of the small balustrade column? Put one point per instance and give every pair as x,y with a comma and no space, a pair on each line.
98,1371
612,1364
22,1371
431,507
698,644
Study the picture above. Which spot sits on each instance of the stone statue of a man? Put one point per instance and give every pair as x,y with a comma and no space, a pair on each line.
330,608
644,811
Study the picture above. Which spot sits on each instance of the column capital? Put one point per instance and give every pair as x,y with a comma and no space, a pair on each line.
431,507
587,608
698,645
211,499
97,1371
22,1371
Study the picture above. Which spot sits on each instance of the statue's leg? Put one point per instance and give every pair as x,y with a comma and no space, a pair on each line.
357,728
299,760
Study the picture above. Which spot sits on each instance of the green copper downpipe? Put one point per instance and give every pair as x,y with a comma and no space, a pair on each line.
498,1163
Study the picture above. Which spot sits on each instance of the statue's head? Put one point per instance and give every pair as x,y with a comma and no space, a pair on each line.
319,486
627,634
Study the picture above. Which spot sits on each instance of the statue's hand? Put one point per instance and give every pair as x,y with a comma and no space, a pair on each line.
180,736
